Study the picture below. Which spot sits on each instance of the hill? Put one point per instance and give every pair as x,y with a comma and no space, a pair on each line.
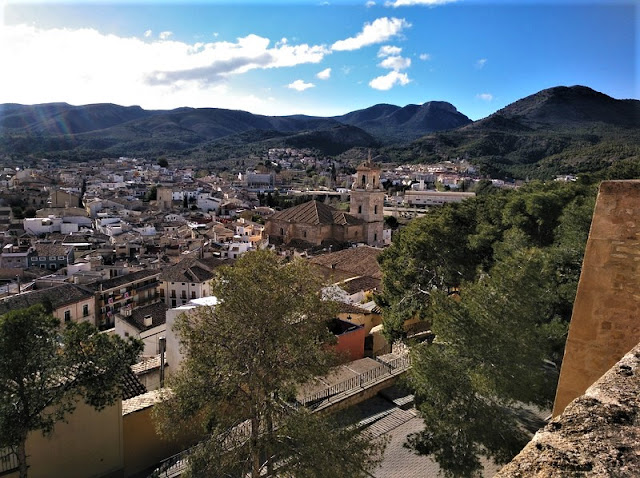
392,123
561,130
93,131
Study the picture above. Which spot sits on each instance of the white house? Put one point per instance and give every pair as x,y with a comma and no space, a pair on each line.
207,203
147,323
174,357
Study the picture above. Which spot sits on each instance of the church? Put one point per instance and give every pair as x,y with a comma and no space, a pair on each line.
316,223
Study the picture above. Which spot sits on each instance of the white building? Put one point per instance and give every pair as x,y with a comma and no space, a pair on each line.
147,323
174,357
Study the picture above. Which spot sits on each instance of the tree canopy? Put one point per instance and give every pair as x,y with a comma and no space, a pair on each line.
243,360
45,370
495,277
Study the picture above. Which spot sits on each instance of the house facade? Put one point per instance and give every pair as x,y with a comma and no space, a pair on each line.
125,292
50,256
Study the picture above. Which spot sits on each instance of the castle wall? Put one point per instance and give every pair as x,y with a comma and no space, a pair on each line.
605,323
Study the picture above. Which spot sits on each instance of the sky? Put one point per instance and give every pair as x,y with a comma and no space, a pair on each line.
321,58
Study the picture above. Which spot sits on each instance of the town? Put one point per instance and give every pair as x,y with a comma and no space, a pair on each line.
375,239
127,245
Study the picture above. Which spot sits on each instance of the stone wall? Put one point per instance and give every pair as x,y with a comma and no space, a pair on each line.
597,435
606,314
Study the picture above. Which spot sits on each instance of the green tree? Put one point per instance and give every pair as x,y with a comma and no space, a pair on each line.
429,253
162,162
488,357
243,360
495,277
45,370
151,194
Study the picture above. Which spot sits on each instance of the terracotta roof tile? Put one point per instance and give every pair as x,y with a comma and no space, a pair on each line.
314,212
359,261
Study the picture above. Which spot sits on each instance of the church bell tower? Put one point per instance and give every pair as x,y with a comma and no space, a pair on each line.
367,201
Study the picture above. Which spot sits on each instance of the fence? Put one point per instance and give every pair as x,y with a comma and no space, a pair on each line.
385,369
175,465
172,466
8,460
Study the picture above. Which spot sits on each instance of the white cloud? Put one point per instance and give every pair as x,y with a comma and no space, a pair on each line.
388,50
386,82
408,3
85,66
395,63
324,74
425,56
148,33
370,3
484,96
480,63
300,85
165,35
381,30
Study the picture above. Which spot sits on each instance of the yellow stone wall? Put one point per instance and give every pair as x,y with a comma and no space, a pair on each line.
605,323
88,444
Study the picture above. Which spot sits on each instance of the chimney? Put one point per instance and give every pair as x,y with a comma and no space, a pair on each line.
148,320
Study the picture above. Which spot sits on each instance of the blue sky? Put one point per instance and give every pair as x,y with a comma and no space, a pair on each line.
317,58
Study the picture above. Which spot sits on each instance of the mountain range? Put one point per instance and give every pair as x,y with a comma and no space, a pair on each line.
555,129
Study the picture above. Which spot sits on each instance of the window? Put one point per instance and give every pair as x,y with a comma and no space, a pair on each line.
85,310
184,294
375,237
304,233
173,293
61,258
281,231
67,315
162,293
52,258
43,258
359,209
375,209
193,294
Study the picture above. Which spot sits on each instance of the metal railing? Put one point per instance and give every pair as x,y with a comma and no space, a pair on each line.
173,466
401,363
385,369
176,465
8,460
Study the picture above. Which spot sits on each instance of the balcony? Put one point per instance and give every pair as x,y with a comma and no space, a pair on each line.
145,287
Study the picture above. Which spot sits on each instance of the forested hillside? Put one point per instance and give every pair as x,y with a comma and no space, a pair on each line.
561,130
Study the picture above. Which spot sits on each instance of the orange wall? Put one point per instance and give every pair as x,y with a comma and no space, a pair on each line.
351,344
